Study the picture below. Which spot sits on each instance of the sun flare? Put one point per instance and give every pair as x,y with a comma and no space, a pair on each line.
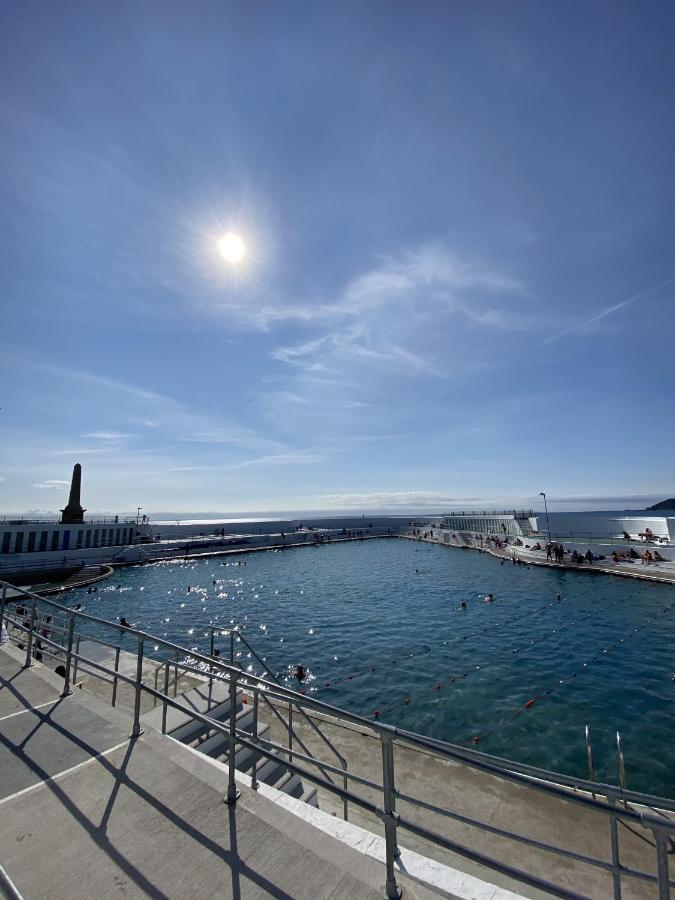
232,248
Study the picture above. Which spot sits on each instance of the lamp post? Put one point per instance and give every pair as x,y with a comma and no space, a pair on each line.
138,514
548,526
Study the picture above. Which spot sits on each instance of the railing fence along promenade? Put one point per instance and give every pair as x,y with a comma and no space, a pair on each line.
577,537
125,519
29,624
518,513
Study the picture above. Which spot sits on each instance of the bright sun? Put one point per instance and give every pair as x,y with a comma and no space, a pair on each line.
232,248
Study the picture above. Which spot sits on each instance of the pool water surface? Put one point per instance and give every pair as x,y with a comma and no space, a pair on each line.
380,628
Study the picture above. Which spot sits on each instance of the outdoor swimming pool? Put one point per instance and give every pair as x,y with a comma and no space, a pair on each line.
388,614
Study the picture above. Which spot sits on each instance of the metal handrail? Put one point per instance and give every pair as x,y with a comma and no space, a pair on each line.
661,828
306,718
236,631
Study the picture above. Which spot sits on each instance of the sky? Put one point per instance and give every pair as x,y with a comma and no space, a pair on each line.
459,279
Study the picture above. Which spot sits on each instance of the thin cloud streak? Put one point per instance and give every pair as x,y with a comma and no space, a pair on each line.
581,326
273,459
107,435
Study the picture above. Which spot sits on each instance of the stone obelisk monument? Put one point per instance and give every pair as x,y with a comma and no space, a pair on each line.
73,514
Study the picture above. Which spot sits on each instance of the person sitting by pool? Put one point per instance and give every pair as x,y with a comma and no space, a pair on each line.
589,556
615,556
657,556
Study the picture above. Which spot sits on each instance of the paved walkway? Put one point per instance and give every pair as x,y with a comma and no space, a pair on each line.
659,572
87,812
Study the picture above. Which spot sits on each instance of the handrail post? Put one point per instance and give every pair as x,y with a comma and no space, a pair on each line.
212,641
254,769
3,602
662,863
77,658
589,758
290,733
136,730
29,642
166,694
391,889
614,838
232,793
231,647
69,655
115,679
622,766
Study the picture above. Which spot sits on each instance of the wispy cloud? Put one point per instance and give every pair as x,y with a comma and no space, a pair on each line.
285,459
82,451
384,317
50,484
107,435
180,421
294,355
584,325
397,499
94,379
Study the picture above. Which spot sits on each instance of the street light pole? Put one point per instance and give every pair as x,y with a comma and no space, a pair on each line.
548,525
138,514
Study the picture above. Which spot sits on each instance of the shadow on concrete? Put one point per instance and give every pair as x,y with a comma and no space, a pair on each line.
97,832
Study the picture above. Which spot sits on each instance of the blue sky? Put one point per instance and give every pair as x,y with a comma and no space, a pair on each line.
460,278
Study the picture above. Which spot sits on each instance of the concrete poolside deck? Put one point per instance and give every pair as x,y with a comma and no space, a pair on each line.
658,572
486,798
88,812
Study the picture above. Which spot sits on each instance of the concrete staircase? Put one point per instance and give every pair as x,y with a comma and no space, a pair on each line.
525,527
214,701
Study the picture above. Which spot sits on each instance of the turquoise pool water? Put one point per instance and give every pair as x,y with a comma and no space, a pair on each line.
388,613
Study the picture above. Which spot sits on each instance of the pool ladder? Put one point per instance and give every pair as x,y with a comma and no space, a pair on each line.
619,758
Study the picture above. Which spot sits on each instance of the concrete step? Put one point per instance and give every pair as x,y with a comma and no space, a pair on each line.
246,755
271,771
215,743
290,784
198,699
193,729
311,797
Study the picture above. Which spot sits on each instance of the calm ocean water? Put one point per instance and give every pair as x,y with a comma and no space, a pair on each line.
388,614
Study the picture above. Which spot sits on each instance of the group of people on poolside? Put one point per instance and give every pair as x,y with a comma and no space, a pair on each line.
554,552
646,558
